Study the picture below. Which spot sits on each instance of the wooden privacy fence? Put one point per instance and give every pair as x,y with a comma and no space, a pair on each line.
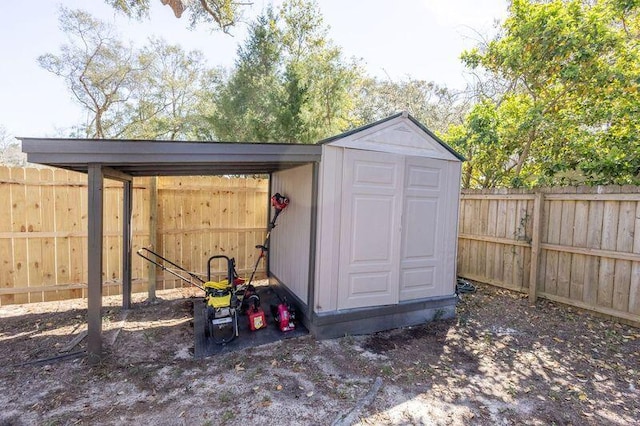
579,246
43,229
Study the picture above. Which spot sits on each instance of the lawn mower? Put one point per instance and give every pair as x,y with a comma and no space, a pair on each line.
227,299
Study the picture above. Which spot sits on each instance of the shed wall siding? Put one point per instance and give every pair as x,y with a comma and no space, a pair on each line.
290,240
331,220
455,173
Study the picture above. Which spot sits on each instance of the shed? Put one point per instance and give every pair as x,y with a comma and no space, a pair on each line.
369,239
383,210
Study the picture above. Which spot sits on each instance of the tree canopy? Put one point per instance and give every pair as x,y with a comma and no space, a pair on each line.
290,82
569,110
157,92
555,101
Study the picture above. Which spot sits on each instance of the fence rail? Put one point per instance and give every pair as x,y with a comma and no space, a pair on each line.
579,246
43,229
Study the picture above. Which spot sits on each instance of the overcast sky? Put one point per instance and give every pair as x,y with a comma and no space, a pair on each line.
394,39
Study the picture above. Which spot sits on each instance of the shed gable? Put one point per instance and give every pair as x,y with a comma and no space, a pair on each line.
399,135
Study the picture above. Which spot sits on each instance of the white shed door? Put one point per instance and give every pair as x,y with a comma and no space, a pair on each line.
423,242
370,229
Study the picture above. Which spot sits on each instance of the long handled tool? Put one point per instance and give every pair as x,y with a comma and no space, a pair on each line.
179,271
279,203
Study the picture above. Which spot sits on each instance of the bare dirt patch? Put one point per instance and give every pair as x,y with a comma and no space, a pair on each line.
500,361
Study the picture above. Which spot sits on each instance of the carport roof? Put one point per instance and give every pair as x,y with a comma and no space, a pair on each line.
165,158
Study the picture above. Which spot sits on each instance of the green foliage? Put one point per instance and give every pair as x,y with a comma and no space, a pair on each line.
435,106
569,114
98,68
246,101
289,83
158,92
172,96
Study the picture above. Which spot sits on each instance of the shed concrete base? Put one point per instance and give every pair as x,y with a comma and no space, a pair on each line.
333,324
329,325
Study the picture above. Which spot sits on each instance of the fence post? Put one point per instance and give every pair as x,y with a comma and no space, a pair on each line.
153,233
535,246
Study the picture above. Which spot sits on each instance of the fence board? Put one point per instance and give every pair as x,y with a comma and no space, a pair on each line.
553,237
634,286
509,251
587,253
6,251
624,244
498,259
491,230
466,227
43,236
78,220
34,224
576,286
567,221
608,242
19,224
48,222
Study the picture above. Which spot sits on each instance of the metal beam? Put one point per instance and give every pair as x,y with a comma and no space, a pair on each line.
153,234
94,254
111,173
313,231
127,207
121,160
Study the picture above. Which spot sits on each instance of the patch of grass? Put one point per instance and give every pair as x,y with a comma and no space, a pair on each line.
226,397
256,373
227,416
342,394
317,376
386,370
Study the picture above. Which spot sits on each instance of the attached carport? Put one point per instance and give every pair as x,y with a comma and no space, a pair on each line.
122,160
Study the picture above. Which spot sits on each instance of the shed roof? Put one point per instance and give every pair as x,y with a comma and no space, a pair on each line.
399,133
165,158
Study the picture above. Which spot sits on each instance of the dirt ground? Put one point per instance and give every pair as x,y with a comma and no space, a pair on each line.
500,361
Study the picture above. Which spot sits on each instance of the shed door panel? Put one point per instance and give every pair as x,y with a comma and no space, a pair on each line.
370,229
423,242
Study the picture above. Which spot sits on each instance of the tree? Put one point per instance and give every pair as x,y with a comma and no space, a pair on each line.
173,94
290,83
435,106
10,153
157,92
222,14
570,105
99,69
248,101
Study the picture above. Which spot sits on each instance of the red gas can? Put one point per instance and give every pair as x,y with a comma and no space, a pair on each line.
256,318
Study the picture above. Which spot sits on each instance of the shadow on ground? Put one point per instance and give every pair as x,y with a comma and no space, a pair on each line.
500,361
